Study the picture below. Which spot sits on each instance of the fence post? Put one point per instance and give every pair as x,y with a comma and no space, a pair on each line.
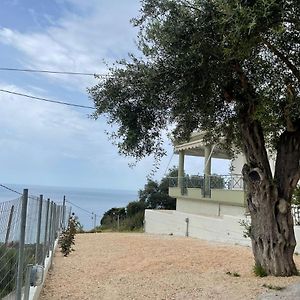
27,282
38,232
9,224
50,227
64,214
53,227
22,245
118,220
46,232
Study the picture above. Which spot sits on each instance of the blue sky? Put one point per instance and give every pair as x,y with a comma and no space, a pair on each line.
48,144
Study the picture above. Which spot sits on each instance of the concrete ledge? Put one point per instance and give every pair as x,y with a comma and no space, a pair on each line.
225,229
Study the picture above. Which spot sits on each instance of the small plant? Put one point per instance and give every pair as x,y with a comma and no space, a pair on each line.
234,274
296,253
259,271
274,287
247,228
296,196
66,240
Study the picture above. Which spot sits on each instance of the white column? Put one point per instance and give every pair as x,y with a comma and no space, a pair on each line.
207,160
207,169
181,169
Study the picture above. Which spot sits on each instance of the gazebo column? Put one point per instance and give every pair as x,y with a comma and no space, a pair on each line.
181,170
207,170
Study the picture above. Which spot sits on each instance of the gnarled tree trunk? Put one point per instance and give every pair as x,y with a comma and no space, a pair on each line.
269,198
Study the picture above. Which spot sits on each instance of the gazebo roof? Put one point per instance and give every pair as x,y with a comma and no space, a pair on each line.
196,147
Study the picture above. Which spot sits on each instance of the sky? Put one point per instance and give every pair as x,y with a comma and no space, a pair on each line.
49,144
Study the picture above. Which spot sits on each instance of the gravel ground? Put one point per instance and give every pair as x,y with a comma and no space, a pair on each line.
141,266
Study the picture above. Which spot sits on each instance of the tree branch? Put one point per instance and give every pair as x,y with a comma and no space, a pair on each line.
288,63
189,5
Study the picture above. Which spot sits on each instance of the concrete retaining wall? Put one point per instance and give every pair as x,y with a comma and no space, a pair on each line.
226,229
207,207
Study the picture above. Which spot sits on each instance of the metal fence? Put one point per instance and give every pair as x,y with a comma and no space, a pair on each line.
29,227
229,182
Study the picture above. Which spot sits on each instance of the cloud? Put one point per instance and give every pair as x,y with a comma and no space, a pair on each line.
78,42
46,134
51,144
57,145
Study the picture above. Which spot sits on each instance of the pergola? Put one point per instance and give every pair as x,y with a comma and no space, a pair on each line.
197,147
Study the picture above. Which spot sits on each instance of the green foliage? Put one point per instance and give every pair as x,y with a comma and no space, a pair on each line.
67,238
296,196
8,269
153,196
133,223
110,217
194,56
9,264
259,271
156,195
247,228
135,207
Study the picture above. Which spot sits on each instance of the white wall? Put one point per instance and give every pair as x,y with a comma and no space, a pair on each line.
224,229
207,207
220,229
238,162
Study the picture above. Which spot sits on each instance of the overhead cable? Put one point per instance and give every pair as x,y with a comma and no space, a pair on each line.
168,164
83,209
54,72
9,189
46,100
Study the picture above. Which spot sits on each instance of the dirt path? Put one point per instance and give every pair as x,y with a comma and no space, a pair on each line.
140,266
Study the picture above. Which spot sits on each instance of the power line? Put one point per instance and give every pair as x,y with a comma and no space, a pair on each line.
9,189
46,100
83,209
168,164
53,72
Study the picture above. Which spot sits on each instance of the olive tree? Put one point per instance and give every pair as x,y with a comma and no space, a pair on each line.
230,69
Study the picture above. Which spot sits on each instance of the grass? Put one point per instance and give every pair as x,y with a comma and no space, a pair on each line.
273,287
234,274
259,271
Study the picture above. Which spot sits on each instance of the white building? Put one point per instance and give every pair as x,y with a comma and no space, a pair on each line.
209,207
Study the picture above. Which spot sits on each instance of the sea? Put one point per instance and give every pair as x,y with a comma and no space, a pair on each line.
83,202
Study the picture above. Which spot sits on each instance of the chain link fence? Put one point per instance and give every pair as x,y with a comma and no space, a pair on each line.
29,228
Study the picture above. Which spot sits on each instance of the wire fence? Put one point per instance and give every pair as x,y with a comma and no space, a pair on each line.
29,228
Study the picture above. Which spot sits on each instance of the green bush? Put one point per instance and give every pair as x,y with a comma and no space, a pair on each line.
134,222
8,270
296,196
66,240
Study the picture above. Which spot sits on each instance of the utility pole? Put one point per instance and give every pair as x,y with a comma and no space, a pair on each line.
95,221
118,222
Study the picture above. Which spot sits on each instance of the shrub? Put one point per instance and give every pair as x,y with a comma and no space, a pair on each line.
66,240
134,223
8,270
